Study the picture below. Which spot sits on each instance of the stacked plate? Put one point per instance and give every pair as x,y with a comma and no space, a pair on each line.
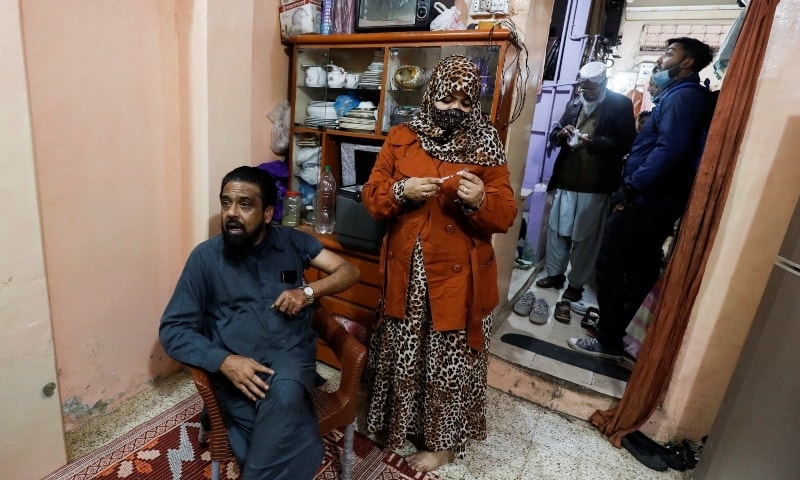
321,114
359,120
373,77
307,140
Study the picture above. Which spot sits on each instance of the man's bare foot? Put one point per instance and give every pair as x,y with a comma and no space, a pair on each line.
425,461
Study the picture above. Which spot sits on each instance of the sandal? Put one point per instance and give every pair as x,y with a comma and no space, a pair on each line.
590,318
589,321
562,313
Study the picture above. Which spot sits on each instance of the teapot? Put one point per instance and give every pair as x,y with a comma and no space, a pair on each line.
336,76
315,76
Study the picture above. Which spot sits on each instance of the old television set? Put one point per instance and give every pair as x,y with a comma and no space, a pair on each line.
357,162
394,15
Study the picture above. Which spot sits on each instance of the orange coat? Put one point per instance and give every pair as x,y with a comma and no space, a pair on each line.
457,248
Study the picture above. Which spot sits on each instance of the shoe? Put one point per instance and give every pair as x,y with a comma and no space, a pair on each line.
551,282
593,347
540,312
628,362
562,312
524,304
642,451
572,294
522,264
578,307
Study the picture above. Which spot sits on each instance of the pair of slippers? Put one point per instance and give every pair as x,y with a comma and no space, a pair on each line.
536,309
589,321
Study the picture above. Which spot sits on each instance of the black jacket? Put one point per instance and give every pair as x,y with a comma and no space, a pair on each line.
611,141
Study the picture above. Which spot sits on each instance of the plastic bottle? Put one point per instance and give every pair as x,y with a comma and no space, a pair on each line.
326,27
326,203
291,209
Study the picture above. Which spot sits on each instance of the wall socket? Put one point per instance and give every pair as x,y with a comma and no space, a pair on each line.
488,7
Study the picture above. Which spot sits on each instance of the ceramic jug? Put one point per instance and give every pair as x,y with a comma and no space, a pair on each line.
315,76
336,76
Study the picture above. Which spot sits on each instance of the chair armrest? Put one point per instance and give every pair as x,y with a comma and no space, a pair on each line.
350,353
219,446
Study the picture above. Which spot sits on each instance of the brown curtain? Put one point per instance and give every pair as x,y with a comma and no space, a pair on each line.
650,377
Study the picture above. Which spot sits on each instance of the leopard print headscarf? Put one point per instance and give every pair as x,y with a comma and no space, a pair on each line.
476,141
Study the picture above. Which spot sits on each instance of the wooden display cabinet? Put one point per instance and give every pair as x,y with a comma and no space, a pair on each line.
375,56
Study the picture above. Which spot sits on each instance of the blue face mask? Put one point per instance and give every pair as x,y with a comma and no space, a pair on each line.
663,78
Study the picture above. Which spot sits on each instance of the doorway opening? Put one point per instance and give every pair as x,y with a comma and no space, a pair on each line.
630,52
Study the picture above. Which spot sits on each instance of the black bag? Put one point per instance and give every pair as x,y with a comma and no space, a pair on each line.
355,228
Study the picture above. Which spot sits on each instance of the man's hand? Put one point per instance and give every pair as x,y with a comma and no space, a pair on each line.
291,301
566,132
620,198
242,371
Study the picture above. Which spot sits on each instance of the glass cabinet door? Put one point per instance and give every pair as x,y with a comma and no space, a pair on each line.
331,81
409,68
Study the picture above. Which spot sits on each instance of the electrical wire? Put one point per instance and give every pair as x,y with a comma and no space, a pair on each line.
519,61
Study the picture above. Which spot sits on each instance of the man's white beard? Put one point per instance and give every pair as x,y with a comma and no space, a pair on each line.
591,106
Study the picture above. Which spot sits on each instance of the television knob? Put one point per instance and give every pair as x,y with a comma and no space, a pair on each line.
422,12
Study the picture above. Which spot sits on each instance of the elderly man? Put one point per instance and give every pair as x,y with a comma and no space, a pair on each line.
656,183
241,311
595,132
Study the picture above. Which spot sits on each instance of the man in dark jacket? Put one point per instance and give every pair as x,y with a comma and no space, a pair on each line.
656,183
595,132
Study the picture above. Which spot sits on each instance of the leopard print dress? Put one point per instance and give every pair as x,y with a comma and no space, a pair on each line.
434,386
426,384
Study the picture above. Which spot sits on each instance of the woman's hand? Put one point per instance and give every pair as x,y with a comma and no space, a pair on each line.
470,189
421,189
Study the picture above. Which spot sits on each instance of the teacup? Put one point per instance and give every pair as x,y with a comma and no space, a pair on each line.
351,80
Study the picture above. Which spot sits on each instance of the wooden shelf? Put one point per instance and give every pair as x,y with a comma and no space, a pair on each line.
360,52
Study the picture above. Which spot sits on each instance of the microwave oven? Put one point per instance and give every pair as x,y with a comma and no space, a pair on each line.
394,15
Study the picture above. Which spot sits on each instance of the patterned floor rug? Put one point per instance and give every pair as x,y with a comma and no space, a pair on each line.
166,448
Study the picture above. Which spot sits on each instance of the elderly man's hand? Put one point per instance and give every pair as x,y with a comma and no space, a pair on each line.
243,372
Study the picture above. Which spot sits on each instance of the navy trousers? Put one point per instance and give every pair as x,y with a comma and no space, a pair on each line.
277,437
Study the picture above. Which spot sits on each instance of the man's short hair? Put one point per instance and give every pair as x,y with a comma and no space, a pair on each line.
643,114
261,178
695,49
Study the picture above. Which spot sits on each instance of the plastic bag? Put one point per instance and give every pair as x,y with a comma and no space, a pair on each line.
345,103
448,18
280,116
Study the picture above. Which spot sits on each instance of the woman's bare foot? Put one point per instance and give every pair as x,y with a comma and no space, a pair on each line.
425,461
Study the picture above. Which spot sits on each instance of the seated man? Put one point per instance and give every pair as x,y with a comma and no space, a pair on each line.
241,311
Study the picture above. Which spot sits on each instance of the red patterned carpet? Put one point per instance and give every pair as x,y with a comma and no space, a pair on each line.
166,448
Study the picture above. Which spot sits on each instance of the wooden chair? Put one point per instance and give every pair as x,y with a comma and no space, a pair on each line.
334,409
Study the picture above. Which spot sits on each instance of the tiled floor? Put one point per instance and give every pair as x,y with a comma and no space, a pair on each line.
553,331
525,441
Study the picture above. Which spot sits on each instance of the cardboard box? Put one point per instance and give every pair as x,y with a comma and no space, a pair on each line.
299,17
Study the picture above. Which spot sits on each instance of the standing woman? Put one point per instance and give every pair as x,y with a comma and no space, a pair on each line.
442,183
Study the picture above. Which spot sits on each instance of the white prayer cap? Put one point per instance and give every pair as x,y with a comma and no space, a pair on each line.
594,72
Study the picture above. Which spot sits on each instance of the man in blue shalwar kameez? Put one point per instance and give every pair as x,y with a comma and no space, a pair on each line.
240,311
